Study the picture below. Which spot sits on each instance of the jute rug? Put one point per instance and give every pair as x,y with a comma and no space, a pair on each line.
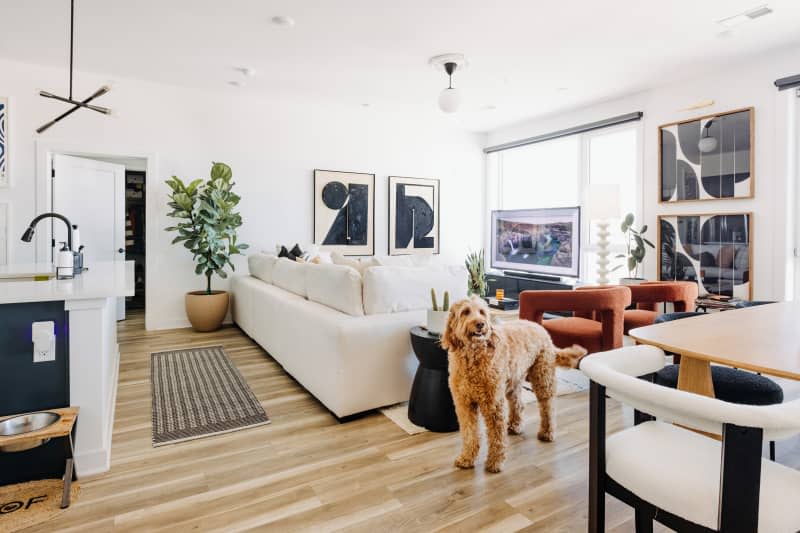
27,504
197,393
569,382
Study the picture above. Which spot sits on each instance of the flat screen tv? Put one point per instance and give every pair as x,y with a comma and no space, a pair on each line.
538,241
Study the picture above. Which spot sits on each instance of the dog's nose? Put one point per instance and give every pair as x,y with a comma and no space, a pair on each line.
480,325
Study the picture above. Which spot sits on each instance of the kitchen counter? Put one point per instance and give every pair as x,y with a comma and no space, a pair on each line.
89,356
102,280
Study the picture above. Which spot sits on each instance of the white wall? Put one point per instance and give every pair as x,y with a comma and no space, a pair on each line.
749,83
272,146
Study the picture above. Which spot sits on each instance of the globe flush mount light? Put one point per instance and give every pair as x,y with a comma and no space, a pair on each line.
450,97
707,142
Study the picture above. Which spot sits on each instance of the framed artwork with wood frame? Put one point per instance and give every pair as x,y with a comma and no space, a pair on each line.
707,158
413,215
344,212
714,250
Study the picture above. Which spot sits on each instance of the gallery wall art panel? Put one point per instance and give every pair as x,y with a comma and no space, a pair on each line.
4,234
344,212
716,251
413,215
3,142
707,158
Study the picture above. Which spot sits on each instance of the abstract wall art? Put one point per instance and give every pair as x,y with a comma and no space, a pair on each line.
716,251
3,142
413,215
707,158
344,212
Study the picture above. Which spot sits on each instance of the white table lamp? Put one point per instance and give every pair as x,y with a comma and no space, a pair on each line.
602,201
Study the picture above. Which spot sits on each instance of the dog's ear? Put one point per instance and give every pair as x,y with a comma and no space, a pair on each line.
450,339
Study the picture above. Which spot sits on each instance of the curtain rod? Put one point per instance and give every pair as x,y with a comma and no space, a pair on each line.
605,123
787,83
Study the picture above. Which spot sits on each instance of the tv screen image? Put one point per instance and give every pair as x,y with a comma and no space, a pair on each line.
543,241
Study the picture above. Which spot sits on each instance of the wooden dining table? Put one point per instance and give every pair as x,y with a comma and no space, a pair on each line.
763,339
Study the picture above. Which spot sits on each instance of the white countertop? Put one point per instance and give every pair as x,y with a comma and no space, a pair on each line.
102,280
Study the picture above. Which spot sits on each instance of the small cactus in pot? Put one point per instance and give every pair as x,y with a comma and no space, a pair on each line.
437,316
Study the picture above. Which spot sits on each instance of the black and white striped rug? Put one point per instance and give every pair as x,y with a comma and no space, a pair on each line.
198,392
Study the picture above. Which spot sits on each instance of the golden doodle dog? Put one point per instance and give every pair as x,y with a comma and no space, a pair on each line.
488,364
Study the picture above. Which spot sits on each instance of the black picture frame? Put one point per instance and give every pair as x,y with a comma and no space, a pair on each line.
396,215
338,228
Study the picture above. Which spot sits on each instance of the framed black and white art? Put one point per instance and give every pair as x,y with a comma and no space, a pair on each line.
413,215
714,250
344,212
3,142
707,158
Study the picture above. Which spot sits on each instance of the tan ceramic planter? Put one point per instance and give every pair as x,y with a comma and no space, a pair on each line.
206,311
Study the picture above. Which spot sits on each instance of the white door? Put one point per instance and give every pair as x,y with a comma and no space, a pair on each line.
91,194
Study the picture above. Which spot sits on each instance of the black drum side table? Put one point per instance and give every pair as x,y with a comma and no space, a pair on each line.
431,405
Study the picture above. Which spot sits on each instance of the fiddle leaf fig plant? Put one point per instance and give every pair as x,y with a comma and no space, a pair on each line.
208,220
635,244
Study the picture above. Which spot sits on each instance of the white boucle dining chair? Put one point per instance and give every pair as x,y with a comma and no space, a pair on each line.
681,478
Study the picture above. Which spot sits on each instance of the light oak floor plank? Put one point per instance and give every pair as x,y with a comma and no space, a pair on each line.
307,472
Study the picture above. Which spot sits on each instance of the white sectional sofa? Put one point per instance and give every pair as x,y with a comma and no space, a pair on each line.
342,334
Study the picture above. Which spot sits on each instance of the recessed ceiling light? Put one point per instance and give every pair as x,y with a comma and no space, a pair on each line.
283,20
236,83
366,104
745,16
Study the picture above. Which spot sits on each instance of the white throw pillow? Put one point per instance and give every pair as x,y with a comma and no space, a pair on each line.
422,259
290,275
397,289
359,265
337,286
261,266
394,261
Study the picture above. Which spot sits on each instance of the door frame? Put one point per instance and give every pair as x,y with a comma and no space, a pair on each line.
44,150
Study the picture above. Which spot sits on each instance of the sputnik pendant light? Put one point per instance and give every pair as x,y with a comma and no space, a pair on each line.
450,97
76,103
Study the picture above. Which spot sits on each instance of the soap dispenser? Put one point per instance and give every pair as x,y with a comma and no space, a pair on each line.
65,262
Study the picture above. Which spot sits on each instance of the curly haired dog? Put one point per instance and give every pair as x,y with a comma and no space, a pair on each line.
488,364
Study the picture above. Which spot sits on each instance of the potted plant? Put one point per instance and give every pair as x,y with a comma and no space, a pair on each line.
635,243
476,267
437,318
207,228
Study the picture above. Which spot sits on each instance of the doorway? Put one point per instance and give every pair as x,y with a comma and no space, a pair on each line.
105,195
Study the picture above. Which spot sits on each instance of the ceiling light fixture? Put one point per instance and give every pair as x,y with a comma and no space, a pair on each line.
745,16
450,97
283,20
707,142
76,103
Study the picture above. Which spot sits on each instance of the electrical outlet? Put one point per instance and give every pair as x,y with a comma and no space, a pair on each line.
44,341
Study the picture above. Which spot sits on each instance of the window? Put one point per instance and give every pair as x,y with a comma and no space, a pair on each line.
556,173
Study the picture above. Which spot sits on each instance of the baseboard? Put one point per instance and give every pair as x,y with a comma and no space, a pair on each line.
93,462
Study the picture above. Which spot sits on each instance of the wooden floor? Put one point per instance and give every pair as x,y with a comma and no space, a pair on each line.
305,471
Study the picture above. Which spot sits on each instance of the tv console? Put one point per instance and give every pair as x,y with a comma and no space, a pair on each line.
514,283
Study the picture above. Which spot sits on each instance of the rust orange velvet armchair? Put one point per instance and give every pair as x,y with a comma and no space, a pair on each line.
597,320
649,294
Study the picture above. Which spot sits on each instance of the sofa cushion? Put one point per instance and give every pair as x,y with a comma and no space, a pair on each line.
261,266
336,286
359,265
290,275
395,289
395,261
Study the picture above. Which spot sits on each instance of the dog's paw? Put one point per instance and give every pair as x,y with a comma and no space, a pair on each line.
515,429
494,466
464,462
546,436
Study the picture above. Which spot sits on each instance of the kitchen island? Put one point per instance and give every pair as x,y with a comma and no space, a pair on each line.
85,366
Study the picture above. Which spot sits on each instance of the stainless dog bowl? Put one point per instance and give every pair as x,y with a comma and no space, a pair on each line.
19,425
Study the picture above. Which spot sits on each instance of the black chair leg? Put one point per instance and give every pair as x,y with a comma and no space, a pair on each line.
644,521
772,450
